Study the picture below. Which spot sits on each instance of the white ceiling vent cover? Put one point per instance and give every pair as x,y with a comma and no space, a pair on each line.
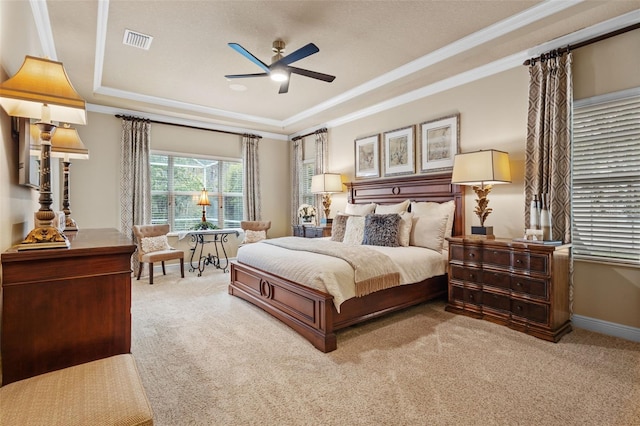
135,39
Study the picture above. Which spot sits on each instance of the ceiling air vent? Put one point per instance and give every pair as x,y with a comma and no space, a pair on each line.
139,40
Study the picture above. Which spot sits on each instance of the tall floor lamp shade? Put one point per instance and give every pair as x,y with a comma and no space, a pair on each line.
326,184
41,90
481,170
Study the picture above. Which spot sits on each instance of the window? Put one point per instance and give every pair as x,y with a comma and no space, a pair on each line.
176,182
606,177
306,174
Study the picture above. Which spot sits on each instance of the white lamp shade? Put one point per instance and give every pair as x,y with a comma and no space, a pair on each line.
326,183
481,167
41,82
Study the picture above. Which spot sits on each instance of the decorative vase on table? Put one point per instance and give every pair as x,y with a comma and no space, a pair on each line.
307,214
545,217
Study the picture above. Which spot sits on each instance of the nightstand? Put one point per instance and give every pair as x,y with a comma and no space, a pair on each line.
524,286
311,231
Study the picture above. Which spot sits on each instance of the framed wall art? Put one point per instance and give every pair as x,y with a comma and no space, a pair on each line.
398,152
439,143
367,155
28,153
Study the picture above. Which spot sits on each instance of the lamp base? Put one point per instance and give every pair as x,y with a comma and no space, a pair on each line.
70,224
483,232
45,237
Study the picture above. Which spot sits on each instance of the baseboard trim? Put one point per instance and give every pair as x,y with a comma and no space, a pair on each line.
606,327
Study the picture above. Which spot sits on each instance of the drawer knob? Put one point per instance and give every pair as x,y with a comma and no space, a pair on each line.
518,261
472,255
471,297
519,284
518,308
471,276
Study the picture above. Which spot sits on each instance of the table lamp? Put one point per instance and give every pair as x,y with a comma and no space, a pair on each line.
326,184
41,90
481,170
204,201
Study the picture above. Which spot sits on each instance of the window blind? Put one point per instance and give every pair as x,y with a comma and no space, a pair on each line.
606,178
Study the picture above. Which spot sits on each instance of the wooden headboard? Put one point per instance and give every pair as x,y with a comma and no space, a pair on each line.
436,188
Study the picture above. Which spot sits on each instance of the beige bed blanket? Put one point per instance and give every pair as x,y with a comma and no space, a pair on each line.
373,271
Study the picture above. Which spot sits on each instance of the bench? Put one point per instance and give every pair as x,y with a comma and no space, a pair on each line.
103,392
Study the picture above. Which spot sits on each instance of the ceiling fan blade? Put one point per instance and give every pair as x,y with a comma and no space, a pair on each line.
301,53
313,74
284,86
244,52
261,74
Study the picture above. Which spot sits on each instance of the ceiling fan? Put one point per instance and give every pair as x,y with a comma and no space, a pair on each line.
280,70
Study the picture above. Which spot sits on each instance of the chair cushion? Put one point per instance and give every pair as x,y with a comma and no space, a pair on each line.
253,236
157,256
151,244
103,392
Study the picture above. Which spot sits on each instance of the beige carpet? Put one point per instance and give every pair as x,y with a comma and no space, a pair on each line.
208,358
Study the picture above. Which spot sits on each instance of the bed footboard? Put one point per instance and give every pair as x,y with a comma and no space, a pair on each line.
309,312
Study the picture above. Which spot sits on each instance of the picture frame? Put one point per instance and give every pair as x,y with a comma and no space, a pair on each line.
439,143
399,151
367,157
28,155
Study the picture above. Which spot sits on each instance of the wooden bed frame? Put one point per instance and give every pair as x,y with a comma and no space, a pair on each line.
311,312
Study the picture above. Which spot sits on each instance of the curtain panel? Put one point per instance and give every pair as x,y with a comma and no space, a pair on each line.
251,176
135,177
296,165
322,154
548,145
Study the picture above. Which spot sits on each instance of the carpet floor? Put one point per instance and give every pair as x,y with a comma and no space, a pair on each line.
208,358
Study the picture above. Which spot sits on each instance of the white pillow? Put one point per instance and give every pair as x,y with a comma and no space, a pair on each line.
429,208
254,236
404,233
360,209
151,244
428,232
354,231
393,208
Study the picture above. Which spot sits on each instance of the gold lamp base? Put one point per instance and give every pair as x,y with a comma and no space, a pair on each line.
45,237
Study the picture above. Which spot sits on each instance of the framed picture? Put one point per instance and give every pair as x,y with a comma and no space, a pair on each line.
367,157
439,143
29,153
398,152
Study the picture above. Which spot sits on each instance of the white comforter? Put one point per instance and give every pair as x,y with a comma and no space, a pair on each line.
333,275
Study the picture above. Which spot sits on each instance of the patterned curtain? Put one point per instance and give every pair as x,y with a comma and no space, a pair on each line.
251,176
548,146
135,177
296,164
322,154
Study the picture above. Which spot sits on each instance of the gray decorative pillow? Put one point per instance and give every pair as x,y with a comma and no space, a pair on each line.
382,230
338,227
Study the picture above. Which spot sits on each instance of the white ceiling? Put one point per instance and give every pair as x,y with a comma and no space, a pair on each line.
382,52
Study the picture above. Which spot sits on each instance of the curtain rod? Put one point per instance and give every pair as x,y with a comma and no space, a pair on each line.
323,130
570,47
131,117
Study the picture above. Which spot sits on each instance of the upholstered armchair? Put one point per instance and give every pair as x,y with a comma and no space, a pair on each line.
254,230
154,247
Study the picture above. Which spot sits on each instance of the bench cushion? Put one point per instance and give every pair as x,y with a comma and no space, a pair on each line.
103,392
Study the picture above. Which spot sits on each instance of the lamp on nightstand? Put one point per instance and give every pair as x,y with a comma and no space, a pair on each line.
326,184
481,170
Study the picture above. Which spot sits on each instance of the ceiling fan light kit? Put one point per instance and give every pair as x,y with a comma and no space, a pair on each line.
279,70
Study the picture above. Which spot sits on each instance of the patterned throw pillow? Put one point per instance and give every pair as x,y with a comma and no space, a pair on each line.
151,244
354,231
382,230
338,227
254,236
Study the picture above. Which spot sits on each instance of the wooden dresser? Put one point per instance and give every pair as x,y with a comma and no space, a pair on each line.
62,307
311,231
523,286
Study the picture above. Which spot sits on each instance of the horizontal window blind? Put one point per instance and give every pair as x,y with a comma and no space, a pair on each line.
606,179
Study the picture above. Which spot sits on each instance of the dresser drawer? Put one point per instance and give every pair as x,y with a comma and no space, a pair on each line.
530,311
496,301
530,287
466,274
495,279
467,295
530,262
497,257
460,253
